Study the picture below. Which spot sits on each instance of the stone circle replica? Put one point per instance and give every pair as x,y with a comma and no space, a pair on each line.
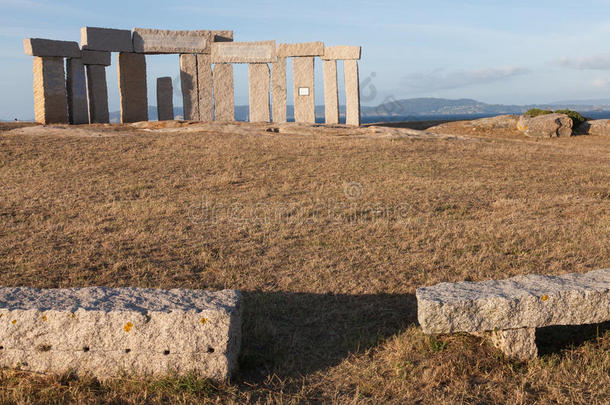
79,95
106,332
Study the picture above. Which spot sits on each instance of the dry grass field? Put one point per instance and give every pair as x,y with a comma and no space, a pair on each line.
328,233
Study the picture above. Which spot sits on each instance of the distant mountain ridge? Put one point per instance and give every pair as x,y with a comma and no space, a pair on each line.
428,108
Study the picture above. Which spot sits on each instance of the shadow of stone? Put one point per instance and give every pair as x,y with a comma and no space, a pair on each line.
295,334
417,125
554,339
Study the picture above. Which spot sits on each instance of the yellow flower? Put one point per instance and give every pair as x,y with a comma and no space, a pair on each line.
14,321
44,318
203,321
544,298
128,326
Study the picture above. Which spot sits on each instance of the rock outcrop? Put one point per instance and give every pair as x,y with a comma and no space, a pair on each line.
546,126
499,122
594,127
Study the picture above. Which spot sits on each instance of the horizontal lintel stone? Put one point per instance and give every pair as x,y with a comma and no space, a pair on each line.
244,52
106,39
530,301
50,47
222,36
153,41
342,52
105,331
96,58
302,49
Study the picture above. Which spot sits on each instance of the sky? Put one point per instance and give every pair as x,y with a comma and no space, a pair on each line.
505,52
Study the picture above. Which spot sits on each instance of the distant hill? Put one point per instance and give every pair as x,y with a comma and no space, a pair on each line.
430,108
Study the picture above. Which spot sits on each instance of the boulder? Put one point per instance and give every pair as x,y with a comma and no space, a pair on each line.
546,126
499,122
594,127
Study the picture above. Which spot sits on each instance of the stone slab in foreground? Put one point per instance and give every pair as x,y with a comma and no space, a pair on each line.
106,331
531,301
511,310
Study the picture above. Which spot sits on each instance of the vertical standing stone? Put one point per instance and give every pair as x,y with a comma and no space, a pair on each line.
188,82
132,87
98,94
516,343
258,77
224,107
352,92
204,87
278,90
50,98
76,84
331,93
304,102
165,99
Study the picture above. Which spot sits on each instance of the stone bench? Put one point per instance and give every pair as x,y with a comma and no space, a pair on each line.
511,310
106,332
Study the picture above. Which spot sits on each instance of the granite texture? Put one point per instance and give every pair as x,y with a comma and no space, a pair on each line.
259,79
96,58
132,87
594,127
244,52
50,97
106,39
189,85
224,94
222,36
331,92
97,88
204,88
50,47
105,331
153,41
303,77
302,49
530,301
278,90
519,344
76,86
352,92
165,99
546,126
342,52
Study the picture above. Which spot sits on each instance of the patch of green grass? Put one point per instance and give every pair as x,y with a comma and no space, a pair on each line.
189,383
536,112
577,118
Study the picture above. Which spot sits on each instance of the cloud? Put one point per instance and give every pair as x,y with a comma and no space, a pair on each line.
441,79
601,83
594,62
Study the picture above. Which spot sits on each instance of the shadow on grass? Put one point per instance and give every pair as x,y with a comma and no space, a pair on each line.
417,125
294,334
554,339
